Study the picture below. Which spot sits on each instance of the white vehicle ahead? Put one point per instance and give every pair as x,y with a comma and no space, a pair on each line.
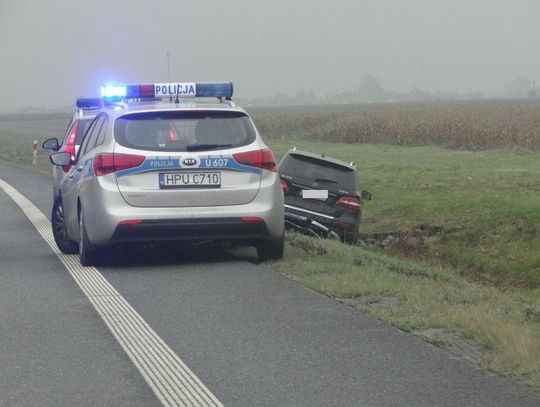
188,170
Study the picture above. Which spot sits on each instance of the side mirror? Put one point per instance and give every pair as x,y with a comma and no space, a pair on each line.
51,144
62,158
366,196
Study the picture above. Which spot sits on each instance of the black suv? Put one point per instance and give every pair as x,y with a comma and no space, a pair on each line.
321,195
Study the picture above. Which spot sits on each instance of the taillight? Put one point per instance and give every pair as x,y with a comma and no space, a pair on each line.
284,185
70,146
130,222
349,202
251,219
264,159
107,163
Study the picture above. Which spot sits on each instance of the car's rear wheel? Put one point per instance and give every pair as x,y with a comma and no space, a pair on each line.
350,237
88,253
58,223
271,250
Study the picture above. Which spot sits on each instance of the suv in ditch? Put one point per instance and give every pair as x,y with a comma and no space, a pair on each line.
321,195
152,170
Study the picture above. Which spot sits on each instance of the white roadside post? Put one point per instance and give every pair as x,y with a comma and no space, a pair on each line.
34,152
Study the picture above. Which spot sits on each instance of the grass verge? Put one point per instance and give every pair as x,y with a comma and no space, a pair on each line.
504,322
18,131
478,212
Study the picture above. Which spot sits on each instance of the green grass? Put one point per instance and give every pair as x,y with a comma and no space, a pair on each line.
18,131
505,322
487,204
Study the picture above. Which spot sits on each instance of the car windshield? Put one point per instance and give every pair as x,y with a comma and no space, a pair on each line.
184,130
320,171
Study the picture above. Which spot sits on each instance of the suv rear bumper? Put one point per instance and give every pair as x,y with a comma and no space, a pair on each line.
344,225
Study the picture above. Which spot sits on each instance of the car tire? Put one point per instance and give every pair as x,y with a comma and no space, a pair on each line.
58,223
271,250
88,253
350,237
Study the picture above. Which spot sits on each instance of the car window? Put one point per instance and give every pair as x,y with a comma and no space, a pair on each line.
81,130
317,170
184,131
98,133
68,131
102,132
89,138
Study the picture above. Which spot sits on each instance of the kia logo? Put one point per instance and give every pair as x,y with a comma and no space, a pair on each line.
189,161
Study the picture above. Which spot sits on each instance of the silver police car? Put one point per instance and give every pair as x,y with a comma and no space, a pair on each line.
87,109
188,170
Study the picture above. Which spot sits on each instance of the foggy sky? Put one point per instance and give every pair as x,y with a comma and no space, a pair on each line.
56,50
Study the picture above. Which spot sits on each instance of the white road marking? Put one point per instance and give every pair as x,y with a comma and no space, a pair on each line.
171,380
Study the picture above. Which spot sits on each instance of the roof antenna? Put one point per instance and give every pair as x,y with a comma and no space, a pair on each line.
176,101
169,69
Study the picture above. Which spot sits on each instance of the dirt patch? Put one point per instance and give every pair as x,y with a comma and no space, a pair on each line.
412,243
385,302
350,302
380,302
455,343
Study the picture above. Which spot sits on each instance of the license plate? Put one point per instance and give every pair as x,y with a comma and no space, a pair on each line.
189,180
321,194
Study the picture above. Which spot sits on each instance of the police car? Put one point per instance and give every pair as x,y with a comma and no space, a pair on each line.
184,168
87,109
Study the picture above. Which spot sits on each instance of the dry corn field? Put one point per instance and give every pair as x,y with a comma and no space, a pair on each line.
467,125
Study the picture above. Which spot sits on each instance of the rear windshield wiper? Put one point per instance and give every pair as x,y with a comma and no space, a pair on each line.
329,181
200,147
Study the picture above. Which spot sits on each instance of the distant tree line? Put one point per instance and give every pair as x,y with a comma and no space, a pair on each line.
370,90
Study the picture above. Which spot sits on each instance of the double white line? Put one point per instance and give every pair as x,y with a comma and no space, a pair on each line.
171,380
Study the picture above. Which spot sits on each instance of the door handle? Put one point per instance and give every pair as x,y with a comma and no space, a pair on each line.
70,176
79,168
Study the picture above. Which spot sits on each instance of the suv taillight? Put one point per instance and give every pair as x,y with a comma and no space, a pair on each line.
106,163
349,202
258,158
70,145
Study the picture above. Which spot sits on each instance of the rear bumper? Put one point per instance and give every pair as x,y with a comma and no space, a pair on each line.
190,229
345,221
106,211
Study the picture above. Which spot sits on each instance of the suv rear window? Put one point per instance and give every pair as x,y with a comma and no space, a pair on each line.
316,170
184,130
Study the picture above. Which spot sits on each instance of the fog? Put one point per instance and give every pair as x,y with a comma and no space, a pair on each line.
54,51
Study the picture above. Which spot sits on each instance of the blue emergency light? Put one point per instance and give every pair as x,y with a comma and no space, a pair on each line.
156,90
89,103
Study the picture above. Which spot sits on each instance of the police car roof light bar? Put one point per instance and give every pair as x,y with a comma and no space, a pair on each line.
156,90
89,103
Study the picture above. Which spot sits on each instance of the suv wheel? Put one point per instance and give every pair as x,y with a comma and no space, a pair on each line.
350,237
58,223
87,251
271,250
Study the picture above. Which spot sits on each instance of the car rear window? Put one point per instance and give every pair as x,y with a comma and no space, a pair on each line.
316,170
184,130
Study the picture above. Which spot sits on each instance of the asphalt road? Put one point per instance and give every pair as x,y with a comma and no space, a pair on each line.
253,337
